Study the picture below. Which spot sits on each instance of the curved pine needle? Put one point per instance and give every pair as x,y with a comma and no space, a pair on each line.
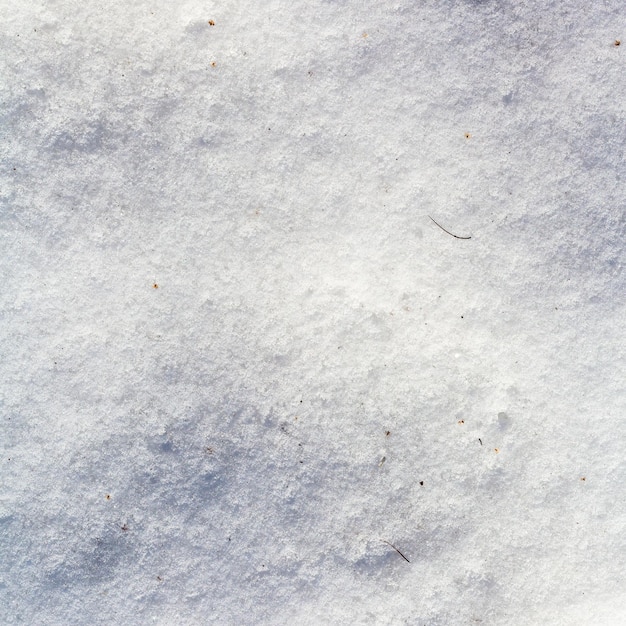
447,231
396,549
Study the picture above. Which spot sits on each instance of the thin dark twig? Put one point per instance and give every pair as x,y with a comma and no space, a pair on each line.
447,231
396,549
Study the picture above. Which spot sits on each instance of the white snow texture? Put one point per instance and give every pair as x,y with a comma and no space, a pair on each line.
239,357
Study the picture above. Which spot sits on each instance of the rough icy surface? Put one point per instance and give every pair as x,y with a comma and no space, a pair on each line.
237,354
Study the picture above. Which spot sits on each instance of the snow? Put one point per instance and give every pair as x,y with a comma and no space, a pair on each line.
238,355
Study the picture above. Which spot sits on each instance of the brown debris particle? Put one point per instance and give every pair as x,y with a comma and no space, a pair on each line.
211,23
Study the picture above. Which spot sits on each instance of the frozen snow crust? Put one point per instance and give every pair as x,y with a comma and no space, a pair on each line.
238,356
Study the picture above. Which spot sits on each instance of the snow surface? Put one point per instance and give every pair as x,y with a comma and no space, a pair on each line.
238,356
